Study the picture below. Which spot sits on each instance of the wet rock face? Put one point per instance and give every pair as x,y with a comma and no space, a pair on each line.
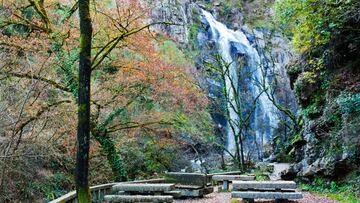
185,12
320,156
177,12
331,129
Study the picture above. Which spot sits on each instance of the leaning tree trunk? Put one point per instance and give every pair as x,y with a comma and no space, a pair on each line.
83,130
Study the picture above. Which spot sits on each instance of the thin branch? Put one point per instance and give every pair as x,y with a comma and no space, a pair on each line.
43,79
105,51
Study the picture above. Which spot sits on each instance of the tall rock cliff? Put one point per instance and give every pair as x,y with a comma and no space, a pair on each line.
327,141
193,34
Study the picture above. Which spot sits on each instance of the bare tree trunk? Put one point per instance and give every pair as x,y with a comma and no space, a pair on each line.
83,131
242,152
223,165
238,153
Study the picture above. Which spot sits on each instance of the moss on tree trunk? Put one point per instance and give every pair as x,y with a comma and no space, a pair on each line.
83,130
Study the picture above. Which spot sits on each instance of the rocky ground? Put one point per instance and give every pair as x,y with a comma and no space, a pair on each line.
224,197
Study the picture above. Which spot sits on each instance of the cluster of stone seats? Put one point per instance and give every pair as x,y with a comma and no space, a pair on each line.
189,185
173,185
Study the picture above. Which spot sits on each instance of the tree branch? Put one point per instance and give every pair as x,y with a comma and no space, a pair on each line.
43,79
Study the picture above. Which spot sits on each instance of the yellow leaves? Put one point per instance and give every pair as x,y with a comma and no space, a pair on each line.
309,77
308,20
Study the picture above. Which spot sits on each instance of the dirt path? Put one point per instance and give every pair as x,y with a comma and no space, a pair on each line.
224,197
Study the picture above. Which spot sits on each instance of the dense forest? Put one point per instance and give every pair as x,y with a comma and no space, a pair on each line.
94,92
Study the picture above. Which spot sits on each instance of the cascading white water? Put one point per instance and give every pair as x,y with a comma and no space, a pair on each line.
227,40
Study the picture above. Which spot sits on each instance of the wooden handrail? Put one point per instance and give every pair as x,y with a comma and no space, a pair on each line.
99,191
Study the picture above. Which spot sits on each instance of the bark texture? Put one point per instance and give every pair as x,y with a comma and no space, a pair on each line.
83,132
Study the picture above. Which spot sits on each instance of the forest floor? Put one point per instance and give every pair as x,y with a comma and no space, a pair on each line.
223,197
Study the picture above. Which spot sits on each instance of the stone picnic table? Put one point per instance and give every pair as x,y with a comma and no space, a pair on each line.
226,179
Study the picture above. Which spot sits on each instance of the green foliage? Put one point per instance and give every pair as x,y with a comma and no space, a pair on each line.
349,103
68,68
157,158
146,157
199,124
234,201
345,192
226,8
312,23
193,33
84,195
322,31
296,138
261,172
52,186
114,161
171,54
119,112
312,111
257,14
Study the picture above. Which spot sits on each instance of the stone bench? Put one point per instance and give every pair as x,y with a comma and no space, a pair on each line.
222,173
278,190
225,179
198,179
142,192
143,187
138,198
226,173
190,184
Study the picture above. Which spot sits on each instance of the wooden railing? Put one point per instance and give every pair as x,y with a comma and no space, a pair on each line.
98,192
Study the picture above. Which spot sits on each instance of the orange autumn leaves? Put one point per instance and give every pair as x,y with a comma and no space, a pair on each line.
132,76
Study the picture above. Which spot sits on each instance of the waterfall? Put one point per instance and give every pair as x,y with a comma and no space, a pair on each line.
229,42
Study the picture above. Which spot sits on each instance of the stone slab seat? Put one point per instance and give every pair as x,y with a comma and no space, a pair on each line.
266,195
143,187
226,173
174,193
190,184
190,187
244,185
198,179
232,177
191,192
138,198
